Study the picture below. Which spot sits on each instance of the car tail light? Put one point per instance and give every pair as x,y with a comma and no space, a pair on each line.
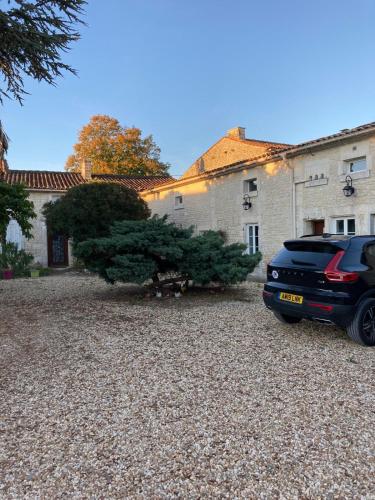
323,307
333,273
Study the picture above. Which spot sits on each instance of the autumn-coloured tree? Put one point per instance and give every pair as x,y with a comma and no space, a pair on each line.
116,149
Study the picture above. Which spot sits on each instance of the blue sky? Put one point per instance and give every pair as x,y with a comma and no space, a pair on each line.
186,71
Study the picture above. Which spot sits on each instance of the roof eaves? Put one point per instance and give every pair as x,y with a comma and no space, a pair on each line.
270,144
362,130
227,169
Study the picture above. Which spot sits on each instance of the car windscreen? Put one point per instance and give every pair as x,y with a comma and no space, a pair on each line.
307,254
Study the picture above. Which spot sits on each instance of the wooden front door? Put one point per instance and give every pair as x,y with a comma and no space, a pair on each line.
318,227
57,250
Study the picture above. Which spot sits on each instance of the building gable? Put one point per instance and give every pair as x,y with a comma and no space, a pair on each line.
232,148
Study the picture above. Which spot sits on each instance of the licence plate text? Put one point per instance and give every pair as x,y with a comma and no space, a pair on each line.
290,297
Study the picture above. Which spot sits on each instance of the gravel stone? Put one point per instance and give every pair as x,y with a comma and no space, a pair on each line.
105,393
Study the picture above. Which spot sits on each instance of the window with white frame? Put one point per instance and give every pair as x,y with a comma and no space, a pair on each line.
252,238
14,234
178,201
250,186
344,226
356,165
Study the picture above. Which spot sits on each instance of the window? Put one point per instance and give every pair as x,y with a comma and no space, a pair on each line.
250,186
178,202
14,234
252,238
345,226
310,252
357,165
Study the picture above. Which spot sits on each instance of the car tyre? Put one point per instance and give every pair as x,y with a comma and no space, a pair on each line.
362,328
284,318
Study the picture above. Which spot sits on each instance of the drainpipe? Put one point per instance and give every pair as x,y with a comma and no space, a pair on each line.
293,196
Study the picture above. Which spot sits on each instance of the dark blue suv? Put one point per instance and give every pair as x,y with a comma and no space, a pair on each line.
328,278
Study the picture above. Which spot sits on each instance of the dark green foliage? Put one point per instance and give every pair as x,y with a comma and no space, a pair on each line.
207,259
87,211
33,34
14,204
137,251
17,260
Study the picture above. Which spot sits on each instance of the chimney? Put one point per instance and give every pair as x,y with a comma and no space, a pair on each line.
86,168
237,133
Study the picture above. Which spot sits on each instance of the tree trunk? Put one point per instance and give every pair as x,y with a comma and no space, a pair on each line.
155,279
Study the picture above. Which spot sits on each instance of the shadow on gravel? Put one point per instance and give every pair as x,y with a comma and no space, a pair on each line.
132,294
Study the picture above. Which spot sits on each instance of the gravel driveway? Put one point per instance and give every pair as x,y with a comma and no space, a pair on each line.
108,395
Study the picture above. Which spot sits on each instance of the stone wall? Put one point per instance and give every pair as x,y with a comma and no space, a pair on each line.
217,204
291,194
224,152
323,198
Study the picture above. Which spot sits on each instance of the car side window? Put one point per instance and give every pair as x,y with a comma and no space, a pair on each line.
370,255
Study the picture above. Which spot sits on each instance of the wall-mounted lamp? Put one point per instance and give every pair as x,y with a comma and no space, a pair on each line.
246,202
348,190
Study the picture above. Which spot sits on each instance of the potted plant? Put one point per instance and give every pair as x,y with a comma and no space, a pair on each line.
8,274
34,273
35,270
14,263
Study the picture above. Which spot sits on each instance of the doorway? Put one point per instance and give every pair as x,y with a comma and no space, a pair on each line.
58,255
317,227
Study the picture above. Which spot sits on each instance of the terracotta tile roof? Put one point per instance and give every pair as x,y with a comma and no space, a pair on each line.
48,181
346,132
61,181
276,154
136,183
267,144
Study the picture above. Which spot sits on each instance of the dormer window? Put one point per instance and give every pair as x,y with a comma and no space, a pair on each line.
357,165
250,186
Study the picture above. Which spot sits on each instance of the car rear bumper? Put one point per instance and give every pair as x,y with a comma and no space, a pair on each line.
313,308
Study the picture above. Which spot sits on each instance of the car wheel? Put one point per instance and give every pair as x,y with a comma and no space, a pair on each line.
284,318
362,328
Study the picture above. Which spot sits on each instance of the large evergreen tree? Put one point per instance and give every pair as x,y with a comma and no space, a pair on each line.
33,34
88,210
137,251
116,149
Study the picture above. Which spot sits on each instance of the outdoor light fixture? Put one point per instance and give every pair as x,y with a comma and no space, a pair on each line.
348,190
246,202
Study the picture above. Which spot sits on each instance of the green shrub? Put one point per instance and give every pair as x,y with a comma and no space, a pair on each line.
138,251
17,260
89,210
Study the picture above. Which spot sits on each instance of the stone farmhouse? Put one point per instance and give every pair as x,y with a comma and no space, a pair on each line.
54,250
257,192
262,193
